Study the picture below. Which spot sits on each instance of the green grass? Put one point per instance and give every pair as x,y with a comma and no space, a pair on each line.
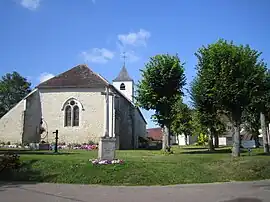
142,167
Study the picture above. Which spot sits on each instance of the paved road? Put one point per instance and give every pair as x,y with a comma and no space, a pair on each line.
227,192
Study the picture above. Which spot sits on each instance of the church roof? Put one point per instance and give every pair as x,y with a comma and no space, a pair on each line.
78,76
81,76
123,75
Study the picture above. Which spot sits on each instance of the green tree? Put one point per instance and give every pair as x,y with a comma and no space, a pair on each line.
13,88
160,88
182,123
260,109
236,75
203,100
198,128
251,123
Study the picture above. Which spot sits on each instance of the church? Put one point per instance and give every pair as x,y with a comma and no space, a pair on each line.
74,103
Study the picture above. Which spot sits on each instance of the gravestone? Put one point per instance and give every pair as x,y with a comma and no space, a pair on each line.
107,148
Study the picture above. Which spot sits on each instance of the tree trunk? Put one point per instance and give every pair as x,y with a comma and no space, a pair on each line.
186,142
216,140
236,141
166,139
210,140
264,133
169,139
268,135
177,137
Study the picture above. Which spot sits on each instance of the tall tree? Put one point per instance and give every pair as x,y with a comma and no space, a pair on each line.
182,123
251,122
197,126
161,86
13,88
203,100
261,106
236,74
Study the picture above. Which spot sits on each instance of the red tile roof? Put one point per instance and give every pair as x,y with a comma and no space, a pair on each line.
79,76
155,133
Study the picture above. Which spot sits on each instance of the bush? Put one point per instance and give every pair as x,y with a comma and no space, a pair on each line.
202,139
9,161
90,142
143,142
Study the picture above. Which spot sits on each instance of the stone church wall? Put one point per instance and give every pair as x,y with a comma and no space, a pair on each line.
91,123
140,126
32,116
12,123
124,123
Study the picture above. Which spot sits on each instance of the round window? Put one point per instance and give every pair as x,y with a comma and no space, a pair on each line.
72,102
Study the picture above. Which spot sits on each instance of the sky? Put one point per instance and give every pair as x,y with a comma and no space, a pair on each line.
43,38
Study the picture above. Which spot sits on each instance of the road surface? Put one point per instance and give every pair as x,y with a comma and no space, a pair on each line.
218,192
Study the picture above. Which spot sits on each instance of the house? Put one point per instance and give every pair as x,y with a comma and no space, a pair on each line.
154,133
72,102
157,134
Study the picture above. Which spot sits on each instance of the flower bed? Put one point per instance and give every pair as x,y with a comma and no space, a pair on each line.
84,147
88,147
106,162
34,146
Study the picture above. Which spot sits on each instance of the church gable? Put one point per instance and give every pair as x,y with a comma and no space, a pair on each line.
78,77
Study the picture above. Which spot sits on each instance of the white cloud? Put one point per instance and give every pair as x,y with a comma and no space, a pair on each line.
30,4
135,38
45,76
98,55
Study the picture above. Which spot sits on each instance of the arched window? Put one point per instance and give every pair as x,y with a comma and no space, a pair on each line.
76,116
72,113
122,86
68,115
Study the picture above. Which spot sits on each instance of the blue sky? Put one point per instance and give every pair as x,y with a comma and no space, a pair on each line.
42,38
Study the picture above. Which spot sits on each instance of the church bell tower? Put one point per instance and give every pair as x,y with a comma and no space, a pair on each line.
124,83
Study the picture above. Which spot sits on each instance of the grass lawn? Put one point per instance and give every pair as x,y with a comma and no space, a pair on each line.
142,167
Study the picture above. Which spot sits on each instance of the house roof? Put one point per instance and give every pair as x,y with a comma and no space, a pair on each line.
79,76
123,75
155,133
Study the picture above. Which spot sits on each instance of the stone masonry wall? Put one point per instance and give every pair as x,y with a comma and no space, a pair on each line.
32,116
123,123
91,125
12,123
140,127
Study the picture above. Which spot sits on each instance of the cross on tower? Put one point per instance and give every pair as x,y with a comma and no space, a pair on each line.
124,57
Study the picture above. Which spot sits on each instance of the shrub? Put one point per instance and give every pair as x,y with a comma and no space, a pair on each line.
202,139
90,142
9,161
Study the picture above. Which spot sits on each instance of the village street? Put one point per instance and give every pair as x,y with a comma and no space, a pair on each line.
227,192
